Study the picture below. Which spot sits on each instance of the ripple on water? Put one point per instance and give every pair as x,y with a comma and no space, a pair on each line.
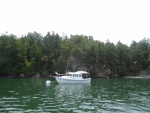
102,96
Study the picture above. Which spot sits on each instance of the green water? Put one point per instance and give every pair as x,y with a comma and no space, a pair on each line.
22,95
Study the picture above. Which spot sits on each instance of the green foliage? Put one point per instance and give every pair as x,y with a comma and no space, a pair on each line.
123,59
35,53
139,55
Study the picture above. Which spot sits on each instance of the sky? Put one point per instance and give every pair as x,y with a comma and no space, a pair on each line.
113,20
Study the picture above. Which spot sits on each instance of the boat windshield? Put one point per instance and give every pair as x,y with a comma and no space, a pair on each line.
86,76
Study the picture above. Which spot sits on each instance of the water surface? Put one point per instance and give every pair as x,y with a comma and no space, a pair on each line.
22,95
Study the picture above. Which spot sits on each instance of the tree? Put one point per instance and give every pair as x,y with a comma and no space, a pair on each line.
111,57
123,59
139,53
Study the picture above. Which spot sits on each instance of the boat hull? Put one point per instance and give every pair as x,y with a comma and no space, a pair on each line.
61,80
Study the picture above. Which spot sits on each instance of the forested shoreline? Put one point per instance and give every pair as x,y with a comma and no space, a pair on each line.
36,54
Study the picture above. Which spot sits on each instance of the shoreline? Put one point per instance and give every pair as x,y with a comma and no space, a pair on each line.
134,77
138,76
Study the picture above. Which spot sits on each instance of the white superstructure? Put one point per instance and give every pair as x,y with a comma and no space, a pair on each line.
74,77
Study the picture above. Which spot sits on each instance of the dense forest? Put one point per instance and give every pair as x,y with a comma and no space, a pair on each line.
36,54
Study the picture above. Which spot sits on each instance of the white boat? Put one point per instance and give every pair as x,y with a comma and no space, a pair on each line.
74,77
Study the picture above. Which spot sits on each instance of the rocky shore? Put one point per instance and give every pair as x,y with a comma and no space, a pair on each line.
142,74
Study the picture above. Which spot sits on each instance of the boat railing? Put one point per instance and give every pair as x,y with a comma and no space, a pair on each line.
57,74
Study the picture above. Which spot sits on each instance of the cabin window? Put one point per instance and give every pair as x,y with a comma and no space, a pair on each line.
70,75
74,75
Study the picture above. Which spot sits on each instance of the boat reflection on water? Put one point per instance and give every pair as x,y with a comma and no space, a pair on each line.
71,91
71,97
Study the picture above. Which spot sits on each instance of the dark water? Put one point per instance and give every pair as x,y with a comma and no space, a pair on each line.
22,95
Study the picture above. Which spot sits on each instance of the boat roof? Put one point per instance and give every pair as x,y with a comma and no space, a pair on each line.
78,72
